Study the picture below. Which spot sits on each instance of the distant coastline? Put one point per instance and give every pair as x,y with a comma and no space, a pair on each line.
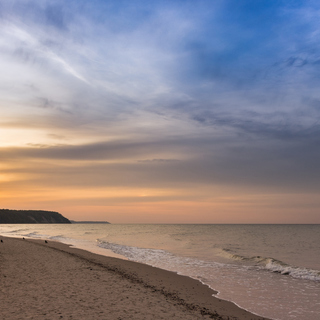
73,221
8,216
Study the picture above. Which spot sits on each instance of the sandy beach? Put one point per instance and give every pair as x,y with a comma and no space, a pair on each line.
51,280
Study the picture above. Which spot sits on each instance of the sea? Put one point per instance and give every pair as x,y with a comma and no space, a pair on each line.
270,270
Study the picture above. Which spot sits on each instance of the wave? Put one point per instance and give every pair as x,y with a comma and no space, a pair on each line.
295,272
160,258
134,253
59,237
33,235
17,230
275,265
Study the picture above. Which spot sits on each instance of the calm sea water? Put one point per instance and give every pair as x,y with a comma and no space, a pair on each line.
271,270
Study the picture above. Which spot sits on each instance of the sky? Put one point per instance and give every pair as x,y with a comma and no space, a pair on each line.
161,111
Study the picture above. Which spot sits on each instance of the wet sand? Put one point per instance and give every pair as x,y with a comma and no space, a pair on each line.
51,280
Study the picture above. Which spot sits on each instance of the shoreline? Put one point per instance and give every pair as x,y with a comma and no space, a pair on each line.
55,264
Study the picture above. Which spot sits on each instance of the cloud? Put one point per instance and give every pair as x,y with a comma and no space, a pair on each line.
266,163
168,93
176,60
157,160
55,16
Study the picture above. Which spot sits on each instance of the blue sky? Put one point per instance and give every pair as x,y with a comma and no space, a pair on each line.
186,104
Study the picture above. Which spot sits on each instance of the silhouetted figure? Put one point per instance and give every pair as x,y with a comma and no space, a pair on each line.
45,241
1,240
23,238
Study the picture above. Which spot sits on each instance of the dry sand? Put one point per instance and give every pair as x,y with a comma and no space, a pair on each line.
51,280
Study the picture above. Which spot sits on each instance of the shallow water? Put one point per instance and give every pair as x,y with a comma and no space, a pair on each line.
271,270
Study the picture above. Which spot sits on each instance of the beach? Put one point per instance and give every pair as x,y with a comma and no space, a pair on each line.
52,280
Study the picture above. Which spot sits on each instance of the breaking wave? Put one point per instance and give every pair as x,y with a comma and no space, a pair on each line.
161,259
148,256
275,265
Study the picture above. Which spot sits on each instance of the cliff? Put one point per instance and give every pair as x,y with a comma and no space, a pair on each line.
31,216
